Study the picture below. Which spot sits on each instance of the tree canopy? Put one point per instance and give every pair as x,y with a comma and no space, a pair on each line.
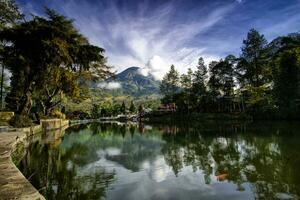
264,81
47,58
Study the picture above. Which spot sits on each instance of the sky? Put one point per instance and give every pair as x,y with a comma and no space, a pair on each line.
153,34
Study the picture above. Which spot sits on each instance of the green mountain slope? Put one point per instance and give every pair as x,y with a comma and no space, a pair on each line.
134,83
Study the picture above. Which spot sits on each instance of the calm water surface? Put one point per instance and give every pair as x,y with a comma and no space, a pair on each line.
199,161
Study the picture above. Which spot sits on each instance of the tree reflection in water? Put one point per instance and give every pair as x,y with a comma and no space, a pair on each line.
262,157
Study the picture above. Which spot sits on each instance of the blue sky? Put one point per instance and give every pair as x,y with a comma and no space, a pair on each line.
153,34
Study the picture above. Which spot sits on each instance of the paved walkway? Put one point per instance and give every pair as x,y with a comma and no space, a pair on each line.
13,185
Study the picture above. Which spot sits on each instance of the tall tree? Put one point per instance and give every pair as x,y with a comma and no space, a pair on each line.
227,75
123,108
9,15
186,81
170,85
251,66
199,91
40,46
132,108
214,79
287,79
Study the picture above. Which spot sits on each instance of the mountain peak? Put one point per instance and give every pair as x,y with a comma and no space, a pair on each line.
136,84
130,70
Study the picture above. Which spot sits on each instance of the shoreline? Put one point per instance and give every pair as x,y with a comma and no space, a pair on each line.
13,184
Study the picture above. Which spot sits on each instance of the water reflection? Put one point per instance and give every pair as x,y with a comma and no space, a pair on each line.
191,161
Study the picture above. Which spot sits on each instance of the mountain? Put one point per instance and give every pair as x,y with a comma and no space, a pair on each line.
282,42
134,83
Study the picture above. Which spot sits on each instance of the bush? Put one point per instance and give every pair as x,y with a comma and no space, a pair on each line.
20,121
78,115
57,114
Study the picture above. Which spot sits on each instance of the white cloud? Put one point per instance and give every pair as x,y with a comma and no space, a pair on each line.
152,39
110,85
156,66
151,42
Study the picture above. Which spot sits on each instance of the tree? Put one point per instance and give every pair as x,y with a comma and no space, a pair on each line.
222,76
9,15
123,108
95,112
4,85
287,79
42,47
186,80
58,82
251,66
214,79
170,85
228,76
186,84
141,110
132,108
199,91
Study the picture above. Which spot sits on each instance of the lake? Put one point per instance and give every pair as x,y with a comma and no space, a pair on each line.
202,160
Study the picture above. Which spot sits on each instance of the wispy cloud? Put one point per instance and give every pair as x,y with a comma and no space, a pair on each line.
155,34
153,40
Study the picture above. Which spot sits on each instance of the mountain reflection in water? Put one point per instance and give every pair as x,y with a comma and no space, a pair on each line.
200,161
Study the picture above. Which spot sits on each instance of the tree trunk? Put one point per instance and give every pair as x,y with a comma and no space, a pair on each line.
2,81
26,105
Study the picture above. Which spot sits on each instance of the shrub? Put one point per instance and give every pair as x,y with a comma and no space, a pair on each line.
57,114
20,121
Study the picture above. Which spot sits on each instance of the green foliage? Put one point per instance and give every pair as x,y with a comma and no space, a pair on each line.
46,60
9,13
263,82
123,108
132,108
221,79
252,68
287,79
95,113
170,84
20,121
133,83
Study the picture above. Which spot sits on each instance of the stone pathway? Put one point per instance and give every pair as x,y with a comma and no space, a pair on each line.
13,185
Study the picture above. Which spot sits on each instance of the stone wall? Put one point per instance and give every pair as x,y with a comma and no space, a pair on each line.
6,116
52,124
13,184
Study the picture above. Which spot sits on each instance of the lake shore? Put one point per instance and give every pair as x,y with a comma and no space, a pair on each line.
13,184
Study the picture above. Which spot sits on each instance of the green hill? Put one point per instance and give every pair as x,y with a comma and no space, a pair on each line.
132,83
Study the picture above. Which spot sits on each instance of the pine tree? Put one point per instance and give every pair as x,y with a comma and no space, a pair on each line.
132,108
186,80
199,92
170,85
123,108
251,65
